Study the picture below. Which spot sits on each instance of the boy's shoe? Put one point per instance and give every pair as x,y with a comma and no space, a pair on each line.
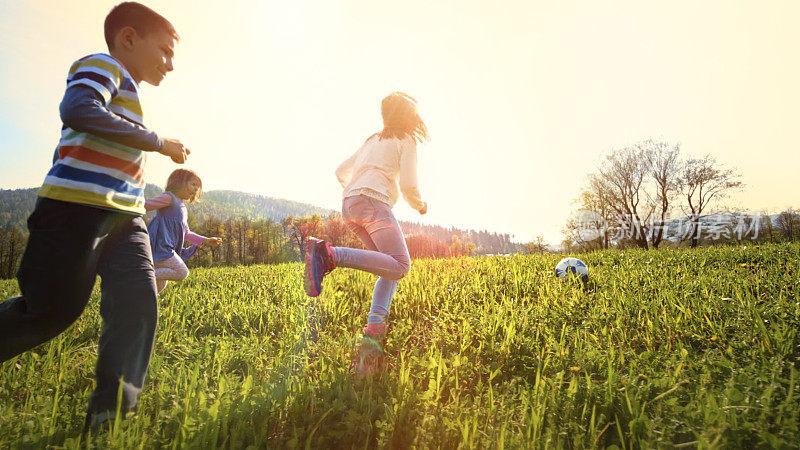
101,420
94,421
319,258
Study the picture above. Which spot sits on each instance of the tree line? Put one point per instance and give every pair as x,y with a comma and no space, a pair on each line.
257,230
247,241
635,193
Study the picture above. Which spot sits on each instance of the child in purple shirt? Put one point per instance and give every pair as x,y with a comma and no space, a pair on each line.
169,228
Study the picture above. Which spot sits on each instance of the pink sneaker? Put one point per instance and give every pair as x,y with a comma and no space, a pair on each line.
330,257
376,331
370,359
320,260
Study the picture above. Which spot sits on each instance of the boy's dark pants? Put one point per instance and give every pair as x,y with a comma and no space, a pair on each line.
69,245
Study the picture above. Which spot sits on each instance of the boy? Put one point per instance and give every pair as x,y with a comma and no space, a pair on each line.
88,217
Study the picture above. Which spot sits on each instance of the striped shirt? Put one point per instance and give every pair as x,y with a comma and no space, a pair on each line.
95,171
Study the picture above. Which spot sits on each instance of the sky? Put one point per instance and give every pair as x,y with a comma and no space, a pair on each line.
522,98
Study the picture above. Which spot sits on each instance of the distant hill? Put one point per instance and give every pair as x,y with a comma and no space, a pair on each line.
15,207
17,204
224,204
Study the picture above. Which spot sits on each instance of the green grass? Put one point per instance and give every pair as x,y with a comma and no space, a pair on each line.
696,347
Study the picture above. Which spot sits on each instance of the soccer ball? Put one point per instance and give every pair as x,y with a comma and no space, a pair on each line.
572,266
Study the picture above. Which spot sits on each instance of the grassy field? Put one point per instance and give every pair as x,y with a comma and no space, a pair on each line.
692,348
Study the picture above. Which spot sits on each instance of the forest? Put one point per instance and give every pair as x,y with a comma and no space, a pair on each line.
260,230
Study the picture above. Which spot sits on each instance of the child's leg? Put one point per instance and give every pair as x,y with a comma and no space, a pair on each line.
374,223
172,268
389,240
56,275
129,308
376,263
160,285
381,299
376,226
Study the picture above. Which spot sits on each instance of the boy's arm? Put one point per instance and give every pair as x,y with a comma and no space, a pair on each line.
157,202
83,109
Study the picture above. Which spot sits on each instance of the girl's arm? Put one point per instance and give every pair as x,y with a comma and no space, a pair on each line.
159,202
194,238
408,177
345,170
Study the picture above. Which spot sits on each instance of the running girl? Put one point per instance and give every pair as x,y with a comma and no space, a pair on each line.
169,229
371,178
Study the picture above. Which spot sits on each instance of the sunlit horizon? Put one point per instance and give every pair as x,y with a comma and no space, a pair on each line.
521,98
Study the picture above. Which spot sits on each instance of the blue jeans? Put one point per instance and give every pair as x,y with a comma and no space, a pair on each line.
374,224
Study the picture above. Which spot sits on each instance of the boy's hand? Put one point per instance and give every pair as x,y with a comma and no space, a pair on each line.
214,241
175,150
424,208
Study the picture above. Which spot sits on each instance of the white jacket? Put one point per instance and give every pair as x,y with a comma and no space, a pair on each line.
376,169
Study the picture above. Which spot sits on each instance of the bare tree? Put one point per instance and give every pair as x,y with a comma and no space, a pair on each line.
789,222
636,188
585,231
664,165
702,183
598,217
621,179
766,225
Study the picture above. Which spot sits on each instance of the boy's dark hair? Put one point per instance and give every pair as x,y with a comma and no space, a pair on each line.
139,17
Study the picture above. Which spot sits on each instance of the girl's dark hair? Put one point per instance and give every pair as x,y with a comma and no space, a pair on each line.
180,178
401,119
139,17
